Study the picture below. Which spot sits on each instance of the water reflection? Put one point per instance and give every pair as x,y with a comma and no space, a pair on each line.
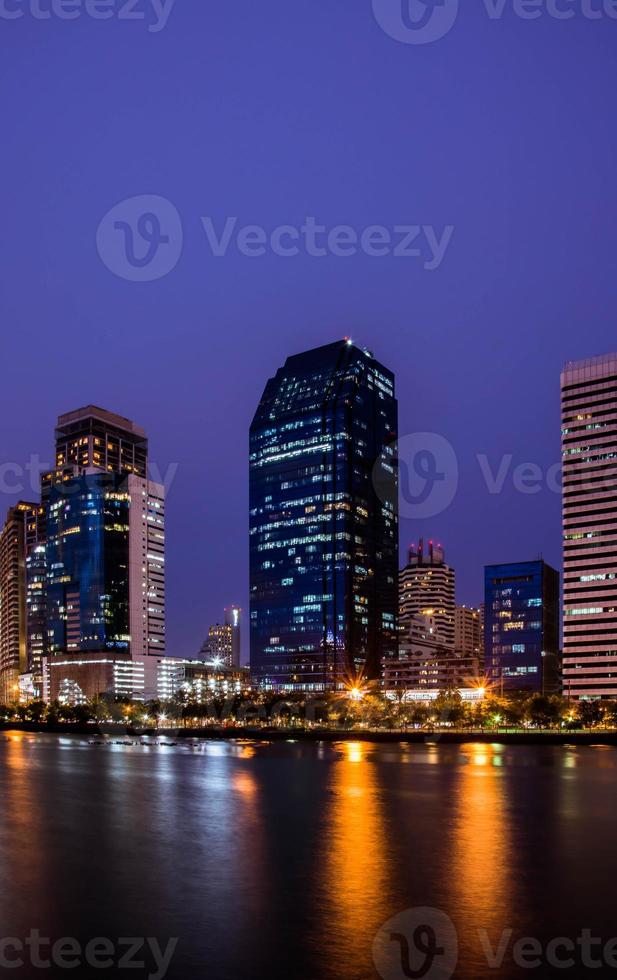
481,838
284,860
355,876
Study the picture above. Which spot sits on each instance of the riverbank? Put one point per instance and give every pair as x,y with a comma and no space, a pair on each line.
212,733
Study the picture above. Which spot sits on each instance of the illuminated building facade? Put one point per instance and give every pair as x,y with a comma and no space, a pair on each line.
105,552
88,564
323,541
421,636
36,597
233,619
200,680
427,588
18,536
423,677
223,644
521,627
93,438
468,631
218,648
589,451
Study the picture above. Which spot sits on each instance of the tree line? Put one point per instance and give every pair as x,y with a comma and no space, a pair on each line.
337,710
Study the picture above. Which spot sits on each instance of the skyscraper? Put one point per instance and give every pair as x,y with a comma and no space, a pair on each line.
18,539
521,626
104,552
92,437
223,644
218,648
427,588
323,541
233,619
36,596
589,450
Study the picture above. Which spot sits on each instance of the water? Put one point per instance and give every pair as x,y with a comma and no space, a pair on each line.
284,860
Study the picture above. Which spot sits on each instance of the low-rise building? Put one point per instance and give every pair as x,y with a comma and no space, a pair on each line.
77,678
424,677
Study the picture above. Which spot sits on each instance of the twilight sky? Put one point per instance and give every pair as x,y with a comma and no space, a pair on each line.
271,112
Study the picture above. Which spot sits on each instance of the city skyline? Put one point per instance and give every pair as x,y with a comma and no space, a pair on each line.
465,338
469,580
309,311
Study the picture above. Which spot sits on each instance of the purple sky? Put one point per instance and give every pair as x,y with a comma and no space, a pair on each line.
271,112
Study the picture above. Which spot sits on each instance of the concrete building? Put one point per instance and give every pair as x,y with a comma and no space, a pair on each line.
589,439
233,619
423,678
22,600
426,588
468,627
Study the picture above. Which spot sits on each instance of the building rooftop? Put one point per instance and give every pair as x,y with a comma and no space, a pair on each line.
590,367
110,418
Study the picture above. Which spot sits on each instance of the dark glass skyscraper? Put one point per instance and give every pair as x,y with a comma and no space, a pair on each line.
88,564
323,542
521,626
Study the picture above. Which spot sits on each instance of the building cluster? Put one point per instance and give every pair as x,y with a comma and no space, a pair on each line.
82,569
82,578
327,602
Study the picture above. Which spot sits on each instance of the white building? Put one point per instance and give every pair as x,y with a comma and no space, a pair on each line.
426,588
589,450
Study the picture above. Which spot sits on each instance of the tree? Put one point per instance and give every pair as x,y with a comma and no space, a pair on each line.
36,711
589,713
449,708
543,711
610,713
513,712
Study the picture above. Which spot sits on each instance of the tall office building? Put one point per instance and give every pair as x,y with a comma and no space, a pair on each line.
589,450
93,438
18,540
223,644
218,648
105,558
233,619
468,638
36,598
323,540
521,627
426,588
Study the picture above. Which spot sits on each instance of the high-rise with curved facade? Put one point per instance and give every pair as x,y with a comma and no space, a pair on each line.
323,521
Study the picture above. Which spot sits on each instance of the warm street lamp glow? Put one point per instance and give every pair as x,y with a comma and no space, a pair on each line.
356,694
